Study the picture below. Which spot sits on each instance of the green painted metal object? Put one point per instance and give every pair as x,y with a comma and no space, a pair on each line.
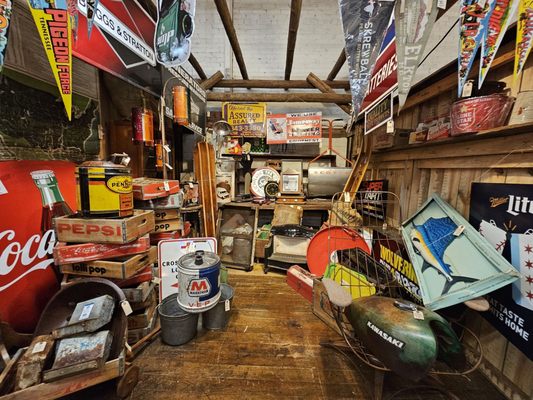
405,337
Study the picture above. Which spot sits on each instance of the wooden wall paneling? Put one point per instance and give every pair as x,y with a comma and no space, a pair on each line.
519,176
526,82
494,344
435,181
463,193
410,207
423,188
445,187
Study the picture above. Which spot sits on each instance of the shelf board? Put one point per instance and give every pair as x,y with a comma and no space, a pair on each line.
286,156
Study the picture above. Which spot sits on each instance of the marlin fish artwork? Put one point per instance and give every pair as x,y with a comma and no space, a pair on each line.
430,240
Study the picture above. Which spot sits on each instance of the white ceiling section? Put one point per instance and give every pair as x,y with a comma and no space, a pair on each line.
262,30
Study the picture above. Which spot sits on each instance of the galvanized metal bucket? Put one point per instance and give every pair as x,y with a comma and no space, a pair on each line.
218,316
177,325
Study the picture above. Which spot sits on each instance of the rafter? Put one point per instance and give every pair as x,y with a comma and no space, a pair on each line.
338,65
197,67
281,97
225,16
294,22
212,80
277,84
324,88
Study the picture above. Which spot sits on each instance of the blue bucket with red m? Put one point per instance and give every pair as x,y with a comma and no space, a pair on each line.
199,281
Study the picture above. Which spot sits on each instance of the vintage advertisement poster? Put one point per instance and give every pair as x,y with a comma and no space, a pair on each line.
384,76
503,214
453,262
524,35
5,16
277,129
414,22
175,26
246,119
470,35
393,256
121,42
379,114
53,25
365,25
495,27
304,127
30,195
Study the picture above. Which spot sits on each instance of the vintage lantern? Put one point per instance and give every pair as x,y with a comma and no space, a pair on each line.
142,121
179,96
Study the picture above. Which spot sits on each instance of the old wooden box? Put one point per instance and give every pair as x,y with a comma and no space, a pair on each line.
117,268
163,215
83,252
141,319
139,293
31,364
150,188
169,225
101,230
144,275
301,281
134,335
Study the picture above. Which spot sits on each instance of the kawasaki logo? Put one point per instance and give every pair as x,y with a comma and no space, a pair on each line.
385,335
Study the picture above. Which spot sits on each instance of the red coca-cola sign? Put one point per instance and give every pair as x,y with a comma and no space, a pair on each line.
27,271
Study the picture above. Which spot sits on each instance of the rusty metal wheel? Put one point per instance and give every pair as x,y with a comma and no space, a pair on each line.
127,382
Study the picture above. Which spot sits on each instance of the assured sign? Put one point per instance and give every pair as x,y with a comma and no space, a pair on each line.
245,119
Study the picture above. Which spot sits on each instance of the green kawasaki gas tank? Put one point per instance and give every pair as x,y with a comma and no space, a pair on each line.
407,345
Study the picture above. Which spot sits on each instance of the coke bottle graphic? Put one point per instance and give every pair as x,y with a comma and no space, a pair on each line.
52,200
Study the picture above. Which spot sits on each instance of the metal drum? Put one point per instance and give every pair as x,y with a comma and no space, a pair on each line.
199,281
104,189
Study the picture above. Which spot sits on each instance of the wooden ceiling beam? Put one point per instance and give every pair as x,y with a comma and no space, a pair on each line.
197,67
281,97
294,22
212,80
338,65
277,84
324,88
225,16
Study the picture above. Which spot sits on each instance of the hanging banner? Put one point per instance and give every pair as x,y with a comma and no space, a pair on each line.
384,77
470,35
175,26
246,119
6,7
294,128
53,25
72,6
524,35
503,214
495,26
414,22
92,6
364,24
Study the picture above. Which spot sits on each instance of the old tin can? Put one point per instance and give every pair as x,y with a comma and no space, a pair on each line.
142,123
104,189
199,281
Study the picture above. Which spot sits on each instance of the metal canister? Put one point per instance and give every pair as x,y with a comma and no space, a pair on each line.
199,281
181,109
104,189
142,122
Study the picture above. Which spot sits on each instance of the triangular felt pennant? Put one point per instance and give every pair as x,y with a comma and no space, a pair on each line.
414,21
494,29
470,34
365,24
5,16
53,25
524,35
175,26
92,6
74,15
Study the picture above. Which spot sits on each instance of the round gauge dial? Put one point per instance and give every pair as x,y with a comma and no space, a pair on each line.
260,178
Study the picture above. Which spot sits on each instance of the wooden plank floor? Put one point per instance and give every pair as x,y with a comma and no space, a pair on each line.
270,350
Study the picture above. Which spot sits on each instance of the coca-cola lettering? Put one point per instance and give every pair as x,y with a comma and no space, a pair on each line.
36,248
